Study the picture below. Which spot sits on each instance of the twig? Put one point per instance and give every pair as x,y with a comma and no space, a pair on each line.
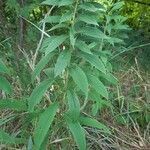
42,36
36,26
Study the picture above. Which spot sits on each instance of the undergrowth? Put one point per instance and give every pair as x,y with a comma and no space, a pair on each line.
63,95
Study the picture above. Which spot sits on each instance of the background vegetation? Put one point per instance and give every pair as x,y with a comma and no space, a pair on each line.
74,74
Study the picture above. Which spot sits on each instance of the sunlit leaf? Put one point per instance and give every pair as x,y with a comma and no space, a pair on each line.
117,6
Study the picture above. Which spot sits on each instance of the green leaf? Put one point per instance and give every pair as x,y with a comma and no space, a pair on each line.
89,19
80,79
66,17
62,62
19,105
41,64
95,61
95,108
49,72
93,32
94,123
117,6
45,120
110,78
6,138
72,38
5,85
83,46
50,2
52,19
3,68
94,96
98,86
88,7
78,134
58,26
65,2
74,105
55,42
45,43
38,93
113,40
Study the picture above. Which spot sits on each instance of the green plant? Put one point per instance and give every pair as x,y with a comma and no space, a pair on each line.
4,83
71,68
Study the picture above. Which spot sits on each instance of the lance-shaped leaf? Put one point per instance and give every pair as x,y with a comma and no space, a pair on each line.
83,46
89,19
58,26
55,42
65,2
38,93
110,78
93,32
42,63
72,36
94,96
49,72
62,62
45,120
80,79
91,7
95,61
50,2
94,123
98,86
74,105
117,6
66,17
5,85
78,134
